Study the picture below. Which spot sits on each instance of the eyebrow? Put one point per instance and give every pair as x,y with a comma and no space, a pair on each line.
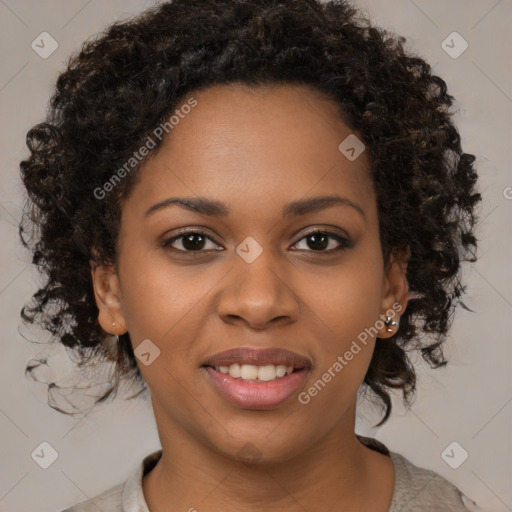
294,209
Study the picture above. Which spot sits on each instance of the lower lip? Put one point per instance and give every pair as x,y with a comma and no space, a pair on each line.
257,395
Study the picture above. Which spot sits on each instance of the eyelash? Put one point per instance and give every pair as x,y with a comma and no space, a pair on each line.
344,242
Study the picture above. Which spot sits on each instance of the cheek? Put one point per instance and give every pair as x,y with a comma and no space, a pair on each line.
350,300
164,304
348,306
344,353
158,296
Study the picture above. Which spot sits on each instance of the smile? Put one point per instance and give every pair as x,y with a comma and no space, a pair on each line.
250,372
257,378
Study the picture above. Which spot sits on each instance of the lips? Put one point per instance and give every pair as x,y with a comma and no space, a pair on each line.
258,357
254,393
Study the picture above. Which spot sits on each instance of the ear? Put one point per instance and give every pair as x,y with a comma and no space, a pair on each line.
395,291
108,299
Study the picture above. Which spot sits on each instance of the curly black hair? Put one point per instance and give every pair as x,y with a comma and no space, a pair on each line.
127,81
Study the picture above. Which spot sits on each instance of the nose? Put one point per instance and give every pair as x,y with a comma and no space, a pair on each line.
258,294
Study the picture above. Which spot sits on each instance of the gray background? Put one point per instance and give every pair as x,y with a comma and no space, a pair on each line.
468,402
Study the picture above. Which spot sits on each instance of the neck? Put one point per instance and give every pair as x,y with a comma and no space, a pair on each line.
336,472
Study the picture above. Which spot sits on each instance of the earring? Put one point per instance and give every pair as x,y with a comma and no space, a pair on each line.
390,323
113,324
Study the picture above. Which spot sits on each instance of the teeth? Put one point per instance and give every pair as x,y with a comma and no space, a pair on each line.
248,371
281,370
234,370
264,373
268,372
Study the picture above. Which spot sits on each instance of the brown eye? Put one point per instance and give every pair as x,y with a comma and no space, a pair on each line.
319,241
191,241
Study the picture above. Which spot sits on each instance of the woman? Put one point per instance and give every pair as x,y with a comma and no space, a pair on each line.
267,203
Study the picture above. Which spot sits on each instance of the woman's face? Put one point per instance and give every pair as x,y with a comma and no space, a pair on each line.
258,278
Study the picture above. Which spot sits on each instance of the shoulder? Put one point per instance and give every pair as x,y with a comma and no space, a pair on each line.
124,497
110,500
421,489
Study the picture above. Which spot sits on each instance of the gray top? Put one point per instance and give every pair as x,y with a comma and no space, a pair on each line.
416,489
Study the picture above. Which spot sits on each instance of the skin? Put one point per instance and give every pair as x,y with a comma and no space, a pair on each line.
254,149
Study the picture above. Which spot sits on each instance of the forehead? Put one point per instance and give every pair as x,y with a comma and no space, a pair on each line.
252,146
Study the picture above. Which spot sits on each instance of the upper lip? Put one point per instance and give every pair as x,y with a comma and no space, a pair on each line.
258,357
